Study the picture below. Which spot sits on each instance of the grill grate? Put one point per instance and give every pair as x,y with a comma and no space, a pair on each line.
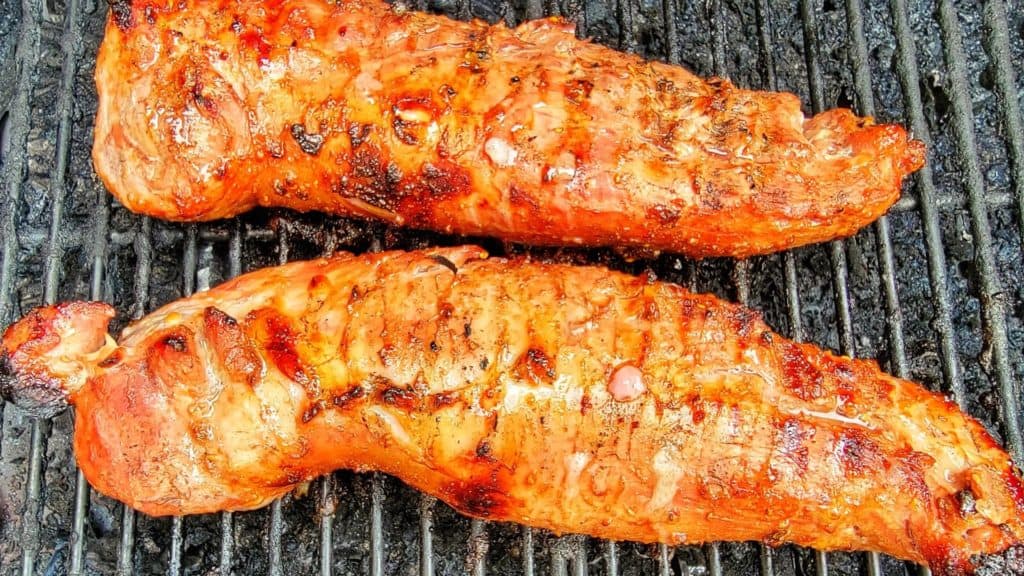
958,328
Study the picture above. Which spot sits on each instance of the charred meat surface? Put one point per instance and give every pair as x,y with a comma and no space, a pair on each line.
208,108
574,399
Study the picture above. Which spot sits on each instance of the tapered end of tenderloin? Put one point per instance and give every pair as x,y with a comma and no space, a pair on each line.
50,353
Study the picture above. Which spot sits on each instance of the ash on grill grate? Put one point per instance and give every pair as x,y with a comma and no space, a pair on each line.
935,291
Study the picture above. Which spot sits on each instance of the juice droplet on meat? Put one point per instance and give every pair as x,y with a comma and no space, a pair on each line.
627,383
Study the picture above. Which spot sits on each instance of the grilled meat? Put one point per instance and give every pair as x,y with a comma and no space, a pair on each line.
208,108
572,399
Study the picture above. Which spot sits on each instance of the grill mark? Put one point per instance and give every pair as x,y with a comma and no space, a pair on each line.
664,214
522,198
231,345
578,91
121,12
403,398
535,366
802,378
200,99
312,411
352,395
359,133
790,443
743,320
858,453
443,178
175,341
280,346
414,195
911,466
484,451
368,180
310,143
443,399
483,497
404,131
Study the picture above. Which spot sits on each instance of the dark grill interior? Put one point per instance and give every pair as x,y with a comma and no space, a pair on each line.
935,291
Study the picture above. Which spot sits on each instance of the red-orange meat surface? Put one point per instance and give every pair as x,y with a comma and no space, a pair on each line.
574,399
208,108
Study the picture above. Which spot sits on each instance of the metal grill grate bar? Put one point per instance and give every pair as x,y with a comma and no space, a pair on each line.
227,544
125,549
327,507
559,565
767,560
30,515
909,77
478,546
767,63
376,525
174,564
326,482
579,556
101,220
1006,87
528,552
990,290
275,529
627,25
75,567
611,558
665,554
427,534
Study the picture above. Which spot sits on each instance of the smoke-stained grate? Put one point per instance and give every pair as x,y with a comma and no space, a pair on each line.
935,290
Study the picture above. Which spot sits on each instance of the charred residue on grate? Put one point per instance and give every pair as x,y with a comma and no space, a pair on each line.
922,291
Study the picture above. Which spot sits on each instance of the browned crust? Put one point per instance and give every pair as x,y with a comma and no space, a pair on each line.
208,108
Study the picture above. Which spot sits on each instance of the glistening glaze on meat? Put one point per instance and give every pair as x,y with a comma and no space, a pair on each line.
210,107
573,399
